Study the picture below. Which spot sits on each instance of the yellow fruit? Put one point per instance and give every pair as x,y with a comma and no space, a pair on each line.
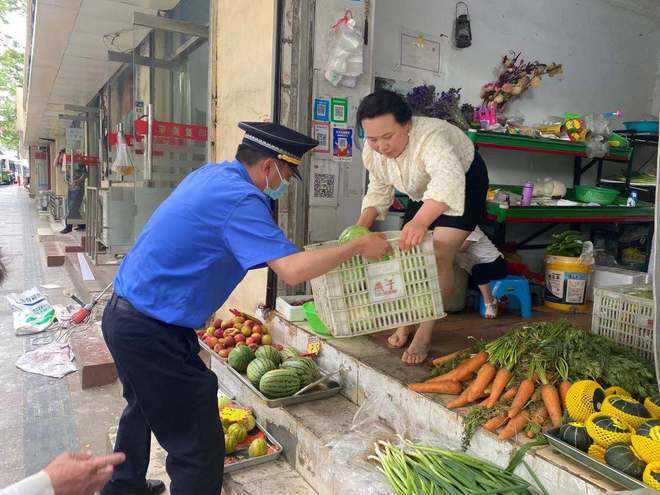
230,444
266,340
209,331
258,447
249,423
238,431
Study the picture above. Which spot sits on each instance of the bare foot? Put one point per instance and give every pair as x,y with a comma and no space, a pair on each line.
418,350
400,338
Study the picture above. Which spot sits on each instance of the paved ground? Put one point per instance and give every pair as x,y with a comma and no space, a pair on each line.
41,416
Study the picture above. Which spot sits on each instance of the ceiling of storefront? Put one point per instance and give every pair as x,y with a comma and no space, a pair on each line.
69,55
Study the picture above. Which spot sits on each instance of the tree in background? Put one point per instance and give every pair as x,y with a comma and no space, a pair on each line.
11,74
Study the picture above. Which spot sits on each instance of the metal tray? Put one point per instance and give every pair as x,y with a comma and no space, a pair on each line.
254,461
320,392
582,458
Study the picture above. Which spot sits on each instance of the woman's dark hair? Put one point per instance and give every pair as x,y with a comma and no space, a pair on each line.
382,102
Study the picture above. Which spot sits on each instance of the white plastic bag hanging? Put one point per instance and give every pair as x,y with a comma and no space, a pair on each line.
123,163
345,53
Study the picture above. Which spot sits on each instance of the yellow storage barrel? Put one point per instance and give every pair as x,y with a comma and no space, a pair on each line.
566,281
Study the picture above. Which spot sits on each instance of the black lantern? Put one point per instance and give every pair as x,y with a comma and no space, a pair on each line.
462,30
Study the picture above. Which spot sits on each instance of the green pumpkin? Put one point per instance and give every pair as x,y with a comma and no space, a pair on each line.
629,406
610,424
650,429
621,456
575,434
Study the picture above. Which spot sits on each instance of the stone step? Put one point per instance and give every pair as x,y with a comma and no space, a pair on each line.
96,366
273,478
86,289
55,255
304,430
369,369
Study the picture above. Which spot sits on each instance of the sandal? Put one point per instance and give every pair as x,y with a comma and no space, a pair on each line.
491,310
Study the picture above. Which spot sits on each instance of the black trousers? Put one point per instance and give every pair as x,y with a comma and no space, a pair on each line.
169,391
485,273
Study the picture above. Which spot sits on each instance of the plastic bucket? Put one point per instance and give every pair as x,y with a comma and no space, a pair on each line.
566,282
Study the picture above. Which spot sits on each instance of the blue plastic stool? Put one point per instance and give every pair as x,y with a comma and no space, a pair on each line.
516,290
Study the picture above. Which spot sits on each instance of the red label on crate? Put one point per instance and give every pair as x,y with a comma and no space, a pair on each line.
385,281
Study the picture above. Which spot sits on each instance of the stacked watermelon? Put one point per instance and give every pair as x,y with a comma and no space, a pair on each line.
275,373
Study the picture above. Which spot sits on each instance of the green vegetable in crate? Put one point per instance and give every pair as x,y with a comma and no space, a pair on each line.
289,352
646,441
258,447
270,353
626,409
607,430
623,457
238,431
351,233
279,383
305,367
230,444
240,357
258,368
575,434
567,243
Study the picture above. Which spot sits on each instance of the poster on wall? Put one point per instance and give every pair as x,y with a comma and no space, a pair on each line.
74,138
324,183
321,132
342,144
322,109
420,51
339,110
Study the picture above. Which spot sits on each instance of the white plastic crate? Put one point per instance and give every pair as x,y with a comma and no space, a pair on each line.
362,296
621,314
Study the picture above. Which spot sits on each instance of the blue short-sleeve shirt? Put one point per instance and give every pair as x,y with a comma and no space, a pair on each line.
199,244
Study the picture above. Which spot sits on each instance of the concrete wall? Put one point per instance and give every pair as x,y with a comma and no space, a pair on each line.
244,79
609,54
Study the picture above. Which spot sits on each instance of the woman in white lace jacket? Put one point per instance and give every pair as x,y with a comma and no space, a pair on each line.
435,164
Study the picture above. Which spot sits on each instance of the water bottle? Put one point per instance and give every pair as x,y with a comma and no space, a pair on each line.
632,199
527,190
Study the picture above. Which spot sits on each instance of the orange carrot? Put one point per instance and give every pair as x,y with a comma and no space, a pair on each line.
464,370
552,403
510,394
563,390
525,392
446,387
499,383
459,401
531,434
514,426
447,357
495,422
484,377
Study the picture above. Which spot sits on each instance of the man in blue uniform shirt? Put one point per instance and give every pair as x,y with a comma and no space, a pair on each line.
197,246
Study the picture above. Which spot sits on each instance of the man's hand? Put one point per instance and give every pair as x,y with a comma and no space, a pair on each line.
412,235
373,246
80,473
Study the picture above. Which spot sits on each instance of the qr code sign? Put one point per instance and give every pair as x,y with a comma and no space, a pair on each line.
324,186
322,138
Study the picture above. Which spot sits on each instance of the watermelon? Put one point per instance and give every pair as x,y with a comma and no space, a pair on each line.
257,368
270,353
240,357
279,383
289,352
305,368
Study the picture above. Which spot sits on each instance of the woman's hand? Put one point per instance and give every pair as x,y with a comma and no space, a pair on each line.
412,234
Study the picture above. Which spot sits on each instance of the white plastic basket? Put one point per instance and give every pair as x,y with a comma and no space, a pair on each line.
362,297
621,314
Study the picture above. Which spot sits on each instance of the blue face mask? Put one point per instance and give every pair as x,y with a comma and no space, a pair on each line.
281,189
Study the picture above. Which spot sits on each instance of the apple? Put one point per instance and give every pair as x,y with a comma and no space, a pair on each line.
253,347
211,342
279,347
246,331
250,323
200,333
229,341
226,324
209,331
240,338
266,340
218,347
217,323
257,329
218,333
224,353
249,341
239,320
264,330
256,337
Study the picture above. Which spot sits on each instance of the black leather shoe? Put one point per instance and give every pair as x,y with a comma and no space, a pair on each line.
80,227
66,230
153,487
